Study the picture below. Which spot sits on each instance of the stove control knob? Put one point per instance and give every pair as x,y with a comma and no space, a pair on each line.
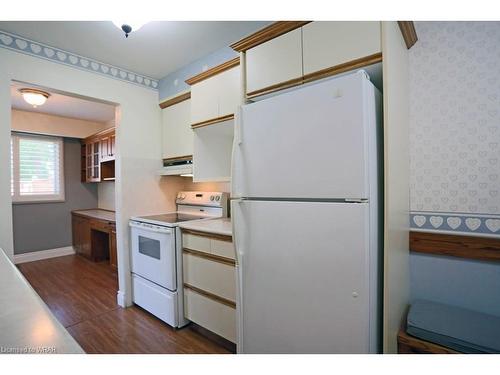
212,198
217,198
182,196
178,195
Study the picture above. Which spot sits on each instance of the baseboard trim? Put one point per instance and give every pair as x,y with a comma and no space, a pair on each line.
120,299
43,254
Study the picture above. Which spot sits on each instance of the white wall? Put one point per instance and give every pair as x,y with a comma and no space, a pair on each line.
42,123
396,181
106,195
138,189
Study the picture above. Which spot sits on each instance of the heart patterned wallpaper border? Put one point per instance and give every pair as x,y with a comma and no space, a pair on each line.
453,222
455,127
57,55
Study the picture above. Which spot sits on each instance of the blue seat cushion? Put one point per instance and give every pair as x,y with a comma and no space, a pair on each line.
463,330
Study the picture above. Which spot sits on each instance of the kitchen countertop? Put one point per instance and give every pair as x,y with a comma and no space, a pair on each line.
97,213
26,323
216,226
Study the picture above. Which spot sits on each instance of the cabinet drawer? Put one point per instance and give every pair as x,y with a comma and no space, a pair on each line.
275,61
222,248
214,277
102,226
212,315
195,242
208,245
327,44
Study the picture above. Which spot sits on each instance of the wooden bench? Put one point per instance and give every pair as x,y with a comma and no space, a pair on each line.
411,345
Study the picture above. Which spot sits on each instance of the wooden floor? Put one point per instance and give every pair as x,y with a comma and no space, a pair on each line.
82,296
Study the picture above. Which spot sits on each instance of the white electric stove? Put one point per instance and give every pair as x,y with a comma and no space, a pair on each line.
157,253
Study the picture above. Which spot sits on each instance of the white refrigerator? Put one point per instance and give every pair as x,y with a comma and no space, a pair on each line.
307,222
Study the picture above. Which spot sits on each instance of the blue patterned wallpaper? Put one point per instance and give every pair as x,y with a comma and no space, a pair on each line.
43,51
455,127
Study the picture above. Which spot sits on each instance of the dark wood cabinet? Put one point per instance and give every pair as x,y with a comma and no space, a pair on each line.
81,235
94,238
112,249
98,156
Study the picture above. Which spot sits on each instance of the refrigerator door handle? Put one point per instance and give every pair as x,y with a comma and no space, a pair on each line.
236,144
237,231
237,128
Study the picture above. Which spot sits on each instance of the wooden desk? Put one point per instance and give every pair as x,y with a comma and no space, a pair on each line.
94,234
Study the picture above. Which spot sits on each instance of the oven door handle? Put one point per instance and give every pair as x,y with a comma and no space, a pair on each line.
150,227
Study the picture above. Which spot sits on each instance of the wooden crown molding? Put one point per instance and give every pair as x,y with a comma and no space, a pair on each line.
409,33
212,121
337,69
175,100
345,67
267,33
178,158
469,247
214,71
94,137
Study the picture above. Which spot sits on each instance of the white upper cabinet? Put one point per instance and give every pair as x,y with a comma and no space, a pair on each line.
177,135
275,61
327,44
216,96
204,100
229,93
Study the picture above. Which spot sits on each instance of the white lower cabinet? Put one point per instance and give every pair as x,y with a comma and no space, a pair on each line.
209,276
214,277
208,244
210,314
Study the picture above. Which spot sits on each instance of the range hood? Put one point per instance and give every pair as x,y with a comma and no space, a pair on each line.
177,166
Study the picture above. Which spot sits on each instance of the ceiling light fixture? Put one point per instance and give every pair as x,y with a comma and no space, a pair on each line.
128,27
34,97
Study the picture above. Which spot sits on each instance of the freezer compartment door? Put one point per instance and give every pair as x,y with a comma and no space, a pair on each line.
309,143
303,277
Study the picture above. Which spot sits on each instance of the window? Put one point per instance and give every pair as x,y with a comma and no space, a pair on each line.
36,168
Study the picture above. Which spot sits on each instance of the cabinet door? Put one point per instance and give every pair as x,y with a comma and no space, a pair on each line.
85,238
326,44
104,144
112,146
177,133
204,100
276,61
229,91
76,233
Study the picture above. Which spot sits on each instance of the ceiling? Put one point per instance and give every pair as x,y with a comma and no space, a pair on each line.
157,49
64,105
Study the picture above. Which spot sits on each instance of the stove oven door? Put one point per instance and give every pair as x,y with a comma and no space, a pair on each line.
153,254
